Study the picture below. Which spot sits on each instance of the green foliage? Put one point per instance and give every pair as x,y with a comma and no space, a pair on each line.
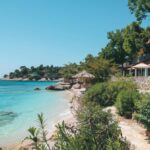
70,70
66,138
123,84
36,73
124,45
33,137
126,100
135,40
140,8
101,68
102,94
5,76
114,49
127,44
38,136
106,93
143,113
96,130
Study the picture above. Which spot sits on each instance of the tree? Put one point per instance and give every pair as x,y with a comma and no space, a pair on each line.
24,71
127,44
114,50
141,8
37,73
17,73
69,70
11,75
136,41
99,67
133,41
145,36
5,76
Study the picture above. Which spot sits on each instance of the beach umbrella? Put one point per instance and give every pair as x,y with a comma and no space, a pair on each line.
84,74
141,65
84,77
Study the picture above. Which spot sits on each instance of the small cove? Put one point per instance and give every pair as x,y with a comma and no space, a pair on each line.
20,104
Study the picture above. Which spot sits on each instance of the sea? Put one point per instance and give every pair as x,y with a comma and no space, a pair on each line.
20,104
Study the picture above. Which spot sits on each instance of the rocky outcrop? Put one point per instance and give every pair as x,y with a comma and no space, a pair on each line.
76,86
59,87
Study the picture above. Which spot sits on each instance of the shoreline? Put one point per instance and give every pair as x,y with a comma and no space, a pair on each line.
67,116
24,80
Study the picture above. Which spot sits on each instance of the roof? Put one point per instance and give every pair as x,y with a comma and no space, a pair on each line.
141,65
148,42
84,74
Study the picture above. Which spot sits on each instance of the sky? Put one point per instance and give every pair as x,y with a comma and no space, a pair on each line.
34,32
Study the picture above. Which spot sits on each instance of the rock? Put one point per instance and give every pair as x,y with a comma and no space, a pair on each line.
76,86
1,148
43,79
55,88
25,79
58,87
37,89
66,87
64,83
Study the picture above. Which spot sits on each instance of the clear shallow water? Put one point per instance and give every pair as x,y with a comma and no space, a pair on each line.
20,104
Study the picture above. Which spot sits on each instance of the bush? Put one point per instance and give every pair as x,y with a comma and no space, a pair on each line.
143,114
126,102
100,93
123,84
96,130
38,136
106,93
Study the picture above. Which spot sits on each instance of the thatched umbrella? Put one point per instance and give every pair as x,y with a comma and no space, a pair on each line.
84,76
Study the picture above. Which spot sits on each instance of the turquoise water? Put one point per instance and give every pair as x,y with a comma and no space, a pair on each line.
19,105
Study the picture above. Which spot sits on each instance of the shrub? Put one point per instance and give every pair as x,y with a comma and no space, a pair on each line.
106,93
96,130
143,114
100,93
126,102
38,136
